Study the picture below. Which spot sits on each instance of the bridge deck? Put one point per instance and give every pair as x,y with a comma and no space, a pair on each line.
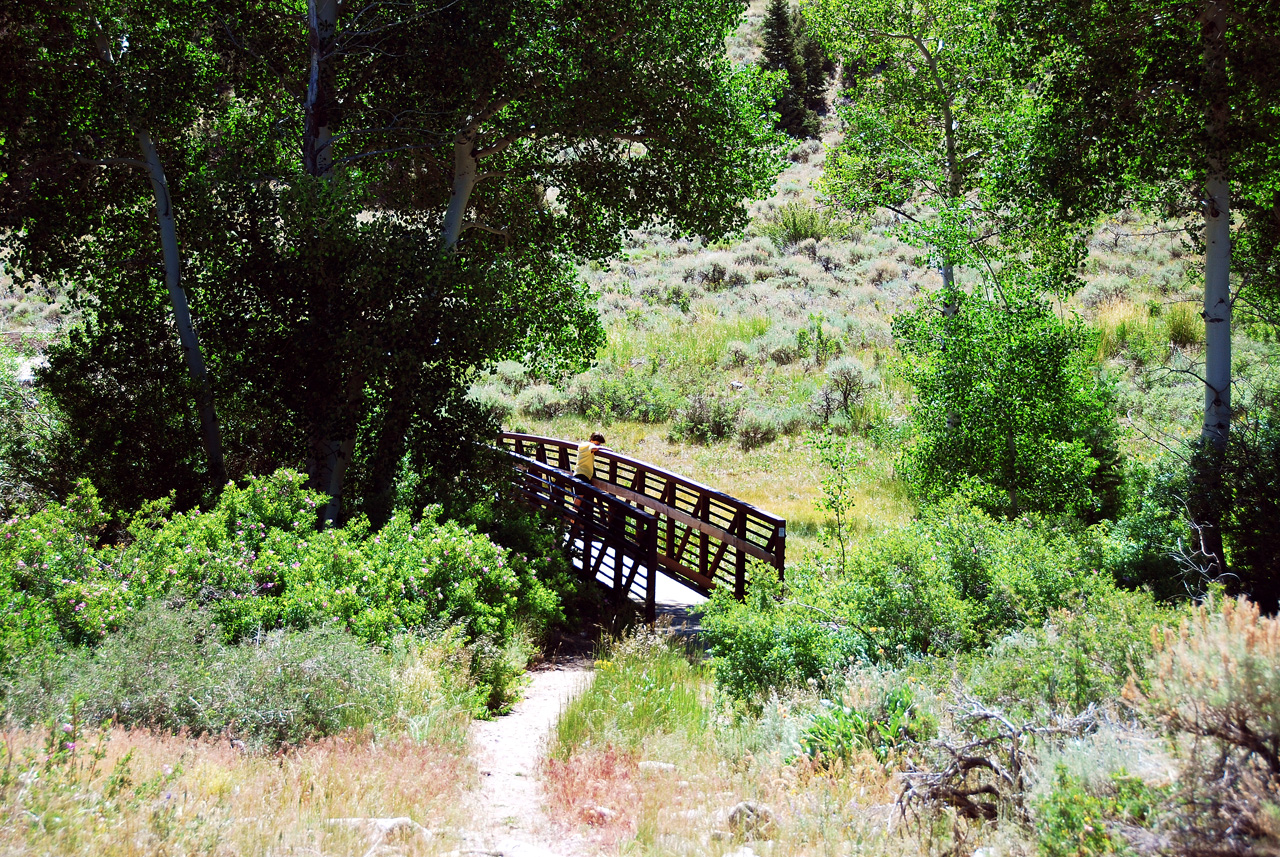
636,520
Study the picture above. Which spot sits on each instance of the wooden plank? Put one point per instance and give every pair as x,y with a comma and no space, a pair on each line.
714,565
687,519
740,566
696,581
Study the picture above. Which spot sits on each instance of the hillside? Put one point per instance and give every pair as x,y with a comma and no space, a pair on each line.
751,330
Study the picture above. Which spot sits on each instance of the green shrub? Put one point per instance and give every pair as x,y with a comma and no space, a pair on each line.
1081,656
705,418
541,401
255,562
172,670
1007,403
736,354
772,641
1249,504
512,375
796,221
757,427
817,341
493,402
848,381
498,670
27,428
1140,545
780,346
838,731
952,582
1074,822
633,395
957,579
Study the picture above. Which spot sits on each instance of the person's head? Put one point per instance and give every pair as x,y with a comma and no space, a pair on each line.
596,437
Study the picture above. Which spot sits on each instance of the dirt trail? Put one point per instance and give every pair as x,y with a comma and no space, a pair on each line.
508,816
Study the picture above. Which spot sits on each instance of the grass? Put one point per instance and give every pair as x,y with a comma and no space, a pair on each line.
148,794
700,341
662,778
651,760
644,687
73,789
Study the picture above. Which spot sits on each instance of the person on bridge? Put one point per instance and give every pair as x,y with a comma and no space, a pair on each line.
586,466
583,471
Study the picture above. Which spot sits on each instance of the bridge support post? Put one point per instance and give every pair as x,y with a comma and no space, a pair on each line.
588,524
615,527
651,573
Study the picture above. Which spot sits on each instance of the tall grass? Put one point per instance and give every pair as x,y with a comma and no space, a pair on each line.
698,342
647,759
644,685
119,793
1185,325
1126,328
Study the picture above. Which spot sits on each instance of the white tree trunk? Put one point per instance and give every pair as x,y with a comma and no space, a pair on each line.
1216,428
465,170
1217,309
181,310
317,149
173,280
336,468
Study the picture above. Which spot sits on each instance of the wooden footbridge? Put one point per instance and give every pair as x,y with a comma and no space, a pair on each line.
636,521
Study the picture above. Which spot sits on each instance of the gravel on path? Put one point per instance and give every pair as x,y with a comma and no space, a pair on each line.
508,811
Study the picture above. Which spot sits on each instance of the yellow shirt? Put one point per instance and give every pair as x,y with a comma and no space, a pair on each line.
586,465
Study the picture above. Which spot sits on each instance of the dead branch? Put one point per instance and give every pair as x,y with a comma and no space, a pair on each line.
991,765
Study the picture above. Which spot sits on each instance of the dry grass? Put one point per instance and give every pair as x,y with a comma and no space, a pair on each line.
598,788
151,794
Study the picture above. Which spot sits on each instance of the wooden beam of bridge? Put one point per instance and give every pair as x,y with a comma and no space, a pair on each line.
688,518
614,537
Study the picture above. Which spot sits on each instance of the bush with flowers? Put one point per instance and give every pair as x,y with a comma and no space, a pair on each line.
256,562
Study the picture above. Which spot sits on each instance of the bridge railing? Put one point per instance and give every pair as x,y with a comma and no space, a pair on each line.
704,536
612,535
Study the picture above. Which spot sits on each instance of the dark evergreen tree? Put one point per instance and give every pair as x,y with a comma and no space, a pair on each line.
807,67
780,52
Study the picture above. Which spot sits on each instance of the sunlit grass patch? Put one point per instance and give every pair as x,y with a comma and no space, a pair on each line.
698,341
645,685
1126,328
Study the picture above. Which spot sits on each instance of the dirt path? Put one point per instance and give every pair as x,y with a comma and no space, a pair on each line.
508,817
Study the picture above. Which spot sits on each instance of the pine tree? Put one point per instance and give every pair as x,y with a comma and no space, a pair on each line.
787,49
779,38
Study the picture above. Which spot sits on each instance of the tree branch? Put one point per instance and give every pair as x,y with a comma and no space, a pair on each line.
109,162
473,224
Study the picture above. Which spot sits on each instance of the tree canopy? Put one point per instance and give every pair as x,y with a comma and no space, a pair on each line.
371,203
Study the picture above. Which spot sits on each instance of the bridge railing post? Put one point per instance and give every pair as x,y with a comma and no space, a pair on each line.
650,543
